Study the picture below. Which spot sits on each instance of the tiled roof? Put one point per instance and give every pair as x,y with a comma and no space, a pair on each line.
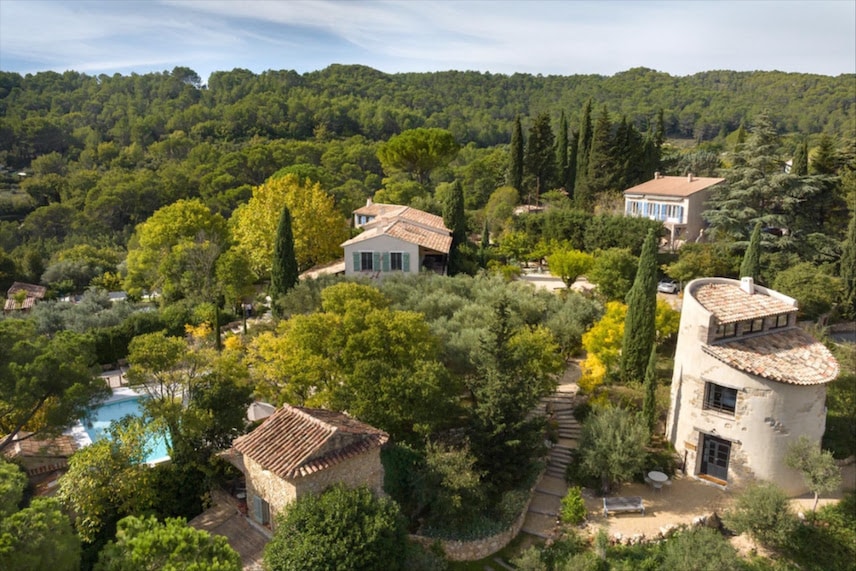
677,186
62,446
379,209
32,290
729,304
424,237
413,226
297,441
789,356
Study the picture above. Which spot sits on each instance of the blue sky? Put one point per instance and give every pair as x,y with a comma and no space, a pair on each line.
538,37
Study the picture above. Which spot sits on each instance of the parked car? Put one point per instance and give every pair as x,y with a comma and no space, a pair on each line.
668,286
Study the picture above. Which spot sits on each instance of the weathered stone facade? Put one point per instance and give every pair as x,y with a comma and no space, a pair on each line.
363,470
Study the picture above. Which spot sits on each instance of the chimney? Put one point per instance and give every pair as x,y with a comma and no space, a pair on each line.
369,201
747,284
690,177
656,175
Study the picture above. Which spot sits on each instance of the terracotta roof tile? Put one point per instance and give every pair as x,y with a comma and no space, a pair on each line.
32,290
61,446
678,186
427,238
729,304
379,209
298,441
789,356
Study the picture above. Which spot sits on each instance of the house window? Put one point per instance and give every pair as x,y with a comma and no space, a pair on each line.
261,510
780,321
395,261
753,326
367,261
726,330
714,457
722,399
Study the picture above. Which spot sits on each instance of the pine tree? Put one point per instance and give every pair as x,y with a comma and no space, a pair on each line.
540,158
456,220
649,401
824,161
284,273
848,270
562,166
800,165
515,162
582,198
639,325
572,164
751,265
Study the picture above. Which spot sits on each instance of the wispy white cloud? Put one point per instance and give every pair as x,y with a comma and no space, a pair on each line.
498,36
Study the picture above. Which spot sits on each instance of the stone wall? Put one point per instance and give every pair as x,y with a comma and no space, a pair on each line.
478,548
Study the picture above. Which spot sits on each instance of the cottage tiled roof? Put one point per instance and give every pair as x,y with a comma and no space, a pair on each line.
32,290
789,356
729,303
297,441
34,446
390,212
424,237
379,209
410,225
675,186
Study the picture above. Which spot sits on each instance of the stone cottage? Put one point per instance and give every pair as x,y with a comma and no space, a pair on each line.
747,383
298,451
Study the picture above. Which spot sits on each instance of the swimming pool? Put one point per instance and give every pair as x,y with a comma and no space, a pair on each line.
117,408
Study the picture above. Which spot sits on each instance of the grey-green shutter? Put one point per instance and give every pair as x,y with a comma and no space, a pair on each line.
405,261
376,261
386,261
356,261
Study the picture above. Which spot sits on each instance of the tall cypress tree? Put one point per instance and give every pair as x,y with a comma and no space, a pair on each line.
562,152
283,273
848,269
581,196
456,220
649,400
824,158
601,162
800,165
540,158
751,265
572,164
639,325
515,159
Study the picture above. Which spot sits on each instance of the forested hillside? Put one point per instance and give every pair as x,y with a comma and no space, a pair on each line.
87,158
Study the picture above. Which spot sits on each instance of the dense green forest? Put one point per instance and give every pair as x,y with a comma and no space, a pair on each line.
85,159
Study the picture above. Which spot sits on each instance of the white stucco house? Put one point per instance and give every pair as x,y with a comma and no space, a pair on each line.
396,239
677,201
747,383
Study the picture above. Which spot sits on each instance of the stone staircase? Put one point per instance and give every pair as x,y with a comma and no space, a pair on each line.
546,502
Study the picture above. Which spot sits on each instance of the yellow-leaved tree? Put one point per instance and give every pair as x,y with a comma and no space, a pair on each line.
317,226
603,341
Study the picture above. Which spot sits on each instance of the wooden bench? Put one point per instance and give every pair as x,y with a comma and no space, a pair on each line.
623,504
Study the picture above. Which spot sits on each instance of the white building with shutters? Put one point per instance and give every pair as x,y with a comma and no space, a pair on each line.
396,239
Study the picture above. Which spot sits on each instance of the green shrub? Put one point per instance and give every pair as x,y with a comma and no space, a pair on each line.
763,511
573,507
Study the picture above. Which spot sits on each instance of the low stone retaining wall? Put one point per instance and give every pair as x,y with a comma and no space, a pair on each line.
845,461
479,548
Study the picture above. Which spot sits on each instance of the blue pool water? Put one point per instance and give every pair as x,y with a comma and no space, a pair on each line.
110,411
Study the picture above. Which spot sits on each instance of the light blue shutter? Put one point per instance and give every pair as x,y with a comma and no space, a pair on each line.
405,261
356,261
376,261
386,261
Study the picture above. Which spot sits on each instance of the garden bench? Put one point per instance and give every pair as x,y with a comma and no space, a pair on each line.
623,504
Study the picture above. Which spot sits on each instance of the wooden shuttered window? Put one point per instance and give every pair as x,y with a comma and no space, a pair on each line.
385,266
405,261
357,262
